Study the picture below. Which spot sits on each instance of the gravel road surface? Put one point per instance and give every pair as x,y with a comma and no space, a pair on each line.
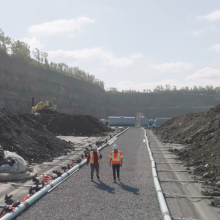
78,198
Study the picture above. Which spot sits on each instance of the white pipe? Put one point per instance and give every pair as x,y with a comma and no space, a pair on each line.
180,218
163,206
44,190
154,172
153,165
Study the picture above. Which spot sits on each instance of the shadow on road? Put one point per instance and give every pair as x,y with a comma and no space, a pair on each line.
129,188
103,186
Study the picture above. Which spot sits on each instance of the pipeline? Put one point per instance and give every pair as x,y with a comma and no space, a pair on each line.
171,195
174,171
27,203
163,206
160,194
183,181
169,163
160,153
181,218
168,158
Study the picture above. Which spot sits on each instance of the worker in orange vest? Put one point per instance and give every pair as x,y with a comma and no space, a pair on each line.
116,161
94,158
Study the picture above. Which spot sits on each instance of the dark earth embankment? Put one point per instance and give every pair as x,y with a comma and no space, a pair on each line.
25,135
200,133
67,125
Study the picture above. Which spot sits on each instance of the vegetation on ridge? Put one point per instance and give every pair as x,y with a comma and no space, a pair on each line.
20,50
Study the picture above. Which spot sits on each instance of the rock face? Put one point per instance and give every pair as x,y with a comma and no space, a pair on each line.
28,135
21,81
200,133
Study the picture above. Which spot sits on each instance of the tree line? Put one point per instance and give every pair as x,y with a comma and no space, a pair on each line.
20,50
197,90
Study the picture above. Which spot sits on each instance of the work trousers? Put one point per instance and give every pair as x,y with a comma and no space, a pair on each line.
117,168
96,168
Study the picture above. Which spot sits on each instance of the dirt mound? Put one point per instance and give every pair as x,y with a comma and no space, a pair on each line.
64,124
20,134
200,132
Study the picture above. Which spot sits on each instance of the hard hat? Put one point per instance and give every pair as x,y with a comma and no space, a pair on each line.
115,146
94,147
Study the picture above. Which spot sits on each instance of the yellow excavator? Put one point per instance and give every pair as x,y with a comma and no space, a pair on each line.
44,107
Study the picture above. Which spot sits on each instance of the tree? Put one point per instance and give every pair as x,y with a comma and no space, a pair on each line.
20,50
5,42
113,89
36,54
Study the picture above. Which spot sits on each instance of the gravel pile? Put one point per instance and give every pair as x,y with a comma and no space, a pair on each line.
79,198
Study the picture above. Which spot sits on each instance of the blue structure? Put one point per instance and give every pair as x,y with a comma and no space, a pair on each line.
151,123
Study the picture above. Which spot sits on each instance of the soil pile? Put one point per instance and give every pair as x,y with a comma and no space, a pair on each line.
200,132
20,134
69,125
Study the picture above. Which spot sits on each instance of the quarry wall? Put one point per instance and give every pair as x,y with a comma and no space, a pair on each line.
20,81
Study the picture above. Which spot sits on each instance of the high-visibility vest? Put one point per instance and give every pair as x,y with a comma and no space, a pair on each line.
92,157
116,158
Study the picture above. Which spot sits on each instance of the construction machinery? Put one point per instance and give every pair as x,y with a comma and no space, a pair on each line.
44,107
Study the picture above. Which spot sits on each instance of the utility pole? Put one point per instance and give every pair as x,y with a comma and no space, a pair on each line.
137,114
137,103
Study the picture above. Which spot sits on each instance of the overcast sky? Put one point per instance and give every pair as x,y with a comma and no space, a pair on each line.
128,44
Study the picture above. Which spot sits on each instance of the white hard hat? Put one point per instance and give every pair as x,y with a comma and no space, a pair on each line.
115,146
94,147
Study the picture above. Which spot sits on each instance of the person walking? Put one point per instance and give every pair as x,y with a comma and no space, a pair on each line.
94,158
116,161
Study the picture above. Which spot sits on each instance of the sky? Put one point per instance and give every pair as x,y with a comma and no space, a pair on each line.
128,44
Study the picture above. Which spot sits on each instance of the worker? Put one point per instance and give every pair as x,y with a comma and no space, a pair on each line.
94,158
116,161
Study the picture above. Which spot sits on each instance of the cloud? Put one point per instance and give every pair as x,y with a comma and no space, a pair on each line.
88,55
206,75
198,33
215,47
33,43
136,56
202,31
60,26
213,16
172,67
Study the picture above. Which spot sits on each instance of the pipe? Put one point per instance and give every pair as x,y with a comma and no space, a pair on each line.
62,181
162,202
174,171
160,153
169,163
181,218
184,181
44,190
171,195
168,158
